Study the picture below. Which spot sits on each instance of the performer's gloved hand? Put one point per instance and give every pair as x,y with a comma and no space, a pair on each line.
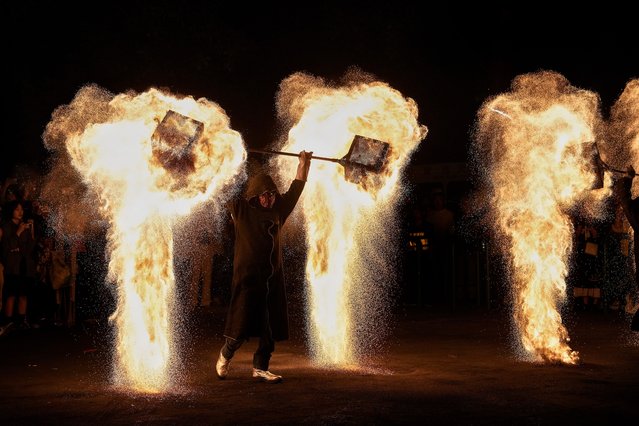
304,165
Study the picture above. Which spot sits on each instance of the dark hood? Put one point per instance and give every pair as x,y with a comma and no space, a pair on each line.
259,184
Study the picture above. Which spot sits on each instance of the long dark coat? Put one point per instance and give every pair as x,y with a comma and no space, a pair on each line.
258,294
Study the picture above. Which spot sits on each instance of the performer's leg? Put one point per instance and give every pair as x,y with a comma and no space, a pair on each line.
226,353
230,346
264,350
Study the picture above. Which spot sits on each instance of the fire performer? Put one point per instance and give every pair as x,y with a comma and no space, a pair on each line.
631,208
258,299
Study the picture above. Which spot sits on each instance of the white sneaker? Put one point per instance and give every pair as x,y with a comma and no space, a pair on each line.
631,308
266,376
222,366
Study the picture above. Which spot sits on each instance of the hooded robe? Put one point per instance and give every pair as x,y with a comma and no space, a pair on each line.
258,294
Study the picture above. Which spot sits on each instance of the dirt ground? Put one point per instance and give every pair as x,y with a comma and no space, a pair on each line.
438,367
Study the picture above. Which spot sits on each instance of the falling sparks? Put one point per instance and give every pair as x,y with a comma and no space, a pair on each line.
537,163
142,190
345,232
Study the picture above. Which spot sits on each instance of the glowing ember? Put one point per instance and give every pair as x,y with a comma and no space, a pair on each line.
144,184
535,144
347,223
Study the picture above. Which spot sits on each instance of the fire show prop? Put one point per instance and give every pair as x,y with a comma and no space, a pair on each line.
605,166
150,159
349,218
534,149
365,154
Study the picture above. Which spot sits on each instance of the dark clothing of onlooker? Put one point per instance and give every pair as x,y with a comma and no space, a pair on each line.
18,257
417,241
17,251
631,209
587,273
441,220
618,282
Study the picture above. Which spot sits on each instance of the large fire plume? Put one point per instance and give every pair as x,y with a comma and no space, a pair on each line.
534,145
349,226
143,186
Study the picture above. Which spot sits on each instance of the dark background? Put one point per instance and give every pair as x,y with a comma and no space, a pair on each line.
449,57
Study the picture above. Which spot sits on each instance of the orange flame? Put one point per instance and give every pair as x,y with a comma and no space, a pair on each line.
344,219
109,141
535,142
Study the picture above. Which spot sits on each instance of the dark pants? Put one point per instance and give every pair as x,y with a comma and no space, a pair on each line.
262,355
634,326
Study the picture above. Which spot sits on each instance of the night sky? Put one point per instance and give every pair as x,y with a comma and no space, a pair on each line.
449,59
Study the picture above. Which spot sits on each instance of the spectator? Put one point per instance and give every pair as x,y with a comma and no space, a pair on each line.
588,267
618,282
631,209
442,220
417,237
17,251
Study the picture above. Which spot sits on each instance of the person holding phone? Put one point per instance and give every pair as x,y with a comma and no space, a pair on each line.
17,253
